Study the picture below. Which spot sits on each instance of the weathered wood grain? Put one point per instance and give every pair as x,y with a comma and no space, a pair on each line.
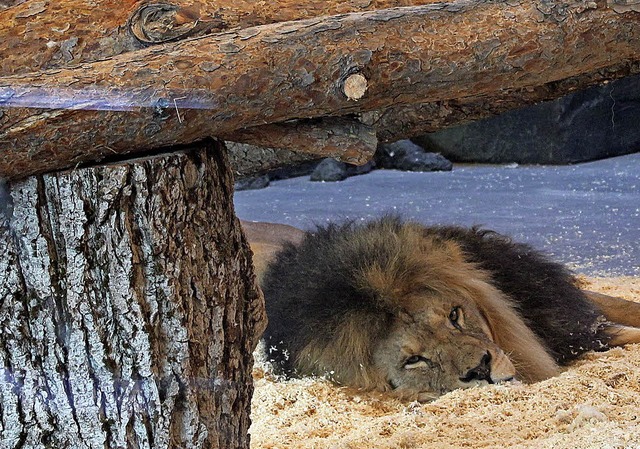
342,138
404,121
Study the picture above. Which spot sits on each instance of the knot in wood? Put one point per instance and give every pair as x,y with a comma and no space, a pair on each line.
162,22
354,86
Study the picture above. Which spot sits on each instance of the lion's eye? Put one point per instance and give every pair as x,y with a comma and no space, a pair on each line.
416,361
455,316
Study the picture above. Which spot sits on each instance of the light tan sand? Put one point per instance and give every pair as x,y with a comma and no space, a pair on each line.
595,403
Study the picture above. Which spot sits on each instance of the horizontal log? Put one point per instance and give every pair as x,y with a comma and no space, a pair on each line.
346,139
251,161
181,92
78,31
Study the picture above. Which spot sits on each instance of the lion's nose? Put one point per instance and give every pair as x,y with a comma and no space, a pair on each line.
480,372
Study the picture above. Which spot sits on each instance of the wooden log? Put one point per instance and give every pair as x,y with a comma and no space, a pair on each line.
250,160
408,121
216,85
345,139
128,308
41,35
77,32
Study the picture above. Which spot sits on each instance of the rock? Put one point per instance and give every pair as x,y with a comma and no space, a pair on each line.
252,183
355,170
329,170
408,156
596,123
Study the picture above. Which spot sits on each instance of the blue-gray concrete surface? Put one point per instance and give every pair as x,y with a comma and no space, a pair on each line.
586,215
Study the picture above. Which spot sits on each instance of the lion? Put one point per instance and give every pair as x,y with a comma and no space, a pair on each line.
418,311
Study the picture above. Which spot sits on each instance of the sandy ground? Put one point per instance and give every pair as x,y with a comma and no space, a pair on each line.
595,403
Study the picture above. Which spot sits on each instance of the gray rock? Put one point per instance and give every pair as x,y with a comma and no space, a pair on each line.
355,170
407,156
252,183
329,170
596,123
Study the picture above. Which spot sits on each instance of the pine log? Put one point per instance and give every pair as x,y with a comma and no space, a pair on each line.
39,35
180,92
76,32
249,161
128,308
410,121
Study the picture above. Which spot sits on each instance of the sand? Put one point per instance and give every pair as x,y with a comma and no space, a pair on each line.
594,403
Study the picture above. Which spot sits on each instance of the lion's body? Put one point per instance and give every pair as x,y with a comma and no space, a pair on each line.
422,310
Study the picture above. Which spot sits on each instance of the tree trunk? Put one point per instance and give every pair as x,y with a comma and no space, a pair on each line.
77,31
339,65
128,308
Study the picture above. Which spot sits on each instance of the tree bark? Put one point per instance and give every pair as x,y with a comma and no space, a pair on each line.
250,160
346,139
128,308
181,92
77,31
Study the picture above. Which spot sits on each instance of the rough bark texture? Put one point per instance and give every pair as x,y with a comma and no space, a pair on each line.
180,92
128,308
250,160
38,35
346,139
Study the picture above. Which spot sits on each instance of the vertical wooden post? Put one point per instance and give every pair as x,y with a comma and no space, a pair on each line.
128,308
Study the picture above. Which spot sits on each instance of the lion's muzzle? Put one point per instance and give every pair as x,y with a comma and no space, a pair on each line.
480,372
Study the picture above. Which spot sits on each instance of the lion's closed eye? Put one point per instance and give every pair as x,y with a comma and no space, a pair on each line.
417,361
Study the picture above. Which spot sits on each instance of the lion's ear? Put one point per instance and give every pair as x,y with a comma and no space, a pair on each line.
512,335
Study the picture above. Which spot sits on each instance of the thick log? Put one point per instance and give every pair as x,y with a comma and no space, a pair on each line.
216,85
409,121
78,32
128,308
346,139
41,35
250,160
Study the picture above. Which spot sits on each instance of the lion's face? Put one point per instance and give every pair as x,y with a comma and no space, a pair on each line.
444,347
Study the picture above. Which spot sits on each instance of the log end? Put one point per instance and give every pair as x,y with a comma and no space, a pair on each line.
355,86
